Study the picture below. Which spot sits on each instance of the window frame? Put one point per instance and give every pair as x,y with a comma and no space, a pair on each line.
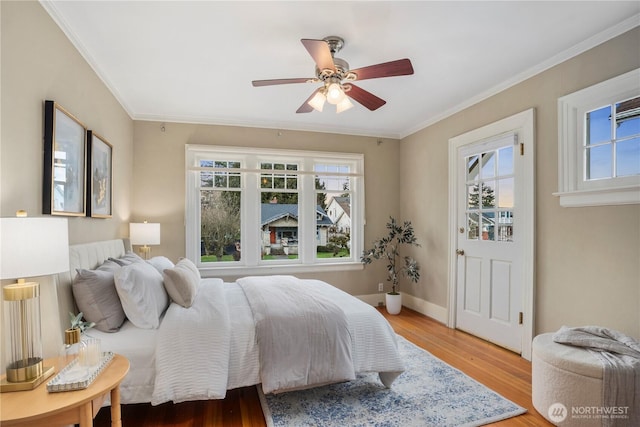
574,190
250,160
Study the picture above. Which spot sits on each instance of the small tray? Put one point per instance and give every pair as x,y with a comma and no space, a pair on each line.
76,377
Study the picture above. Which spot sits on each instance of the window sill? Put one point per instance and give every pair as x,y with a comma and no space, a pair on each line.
278,269
600,197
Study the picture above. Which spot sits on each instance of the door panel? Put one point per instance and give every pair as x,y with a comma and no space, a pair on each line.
472,288
490,258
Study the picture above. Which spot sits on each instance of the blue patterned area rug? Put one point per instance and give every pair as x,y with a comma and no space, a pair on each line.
428,393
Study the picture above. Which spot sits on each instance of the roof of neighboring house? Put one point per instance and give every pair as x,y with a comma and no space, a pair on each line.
271,212
345,204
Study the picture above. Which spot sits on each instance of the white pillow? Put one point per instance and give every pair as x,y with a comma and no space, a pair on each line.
160,263
182,282
142,294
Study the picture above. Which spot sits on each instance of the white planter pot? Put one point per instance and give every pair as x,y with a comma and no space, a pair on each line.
394,303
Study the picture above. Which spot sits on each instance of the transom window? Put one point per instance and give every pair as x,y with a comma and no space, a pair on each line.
599,143
612,140
280,210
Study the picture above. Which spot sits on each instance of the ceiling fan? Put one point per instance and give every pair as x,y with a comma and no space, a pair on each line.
336,78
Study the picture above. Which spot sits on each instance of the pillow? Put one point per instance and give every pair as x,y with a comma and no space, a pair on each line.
182,282
139,286
126,259
160,263
110,266
96,296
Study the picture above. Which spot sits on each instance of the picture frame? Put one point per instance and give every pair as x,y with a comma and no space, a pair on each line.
64,177
99,176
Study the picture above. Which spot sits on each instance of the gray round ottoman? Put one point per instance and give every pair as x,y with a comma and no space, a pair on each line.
566,381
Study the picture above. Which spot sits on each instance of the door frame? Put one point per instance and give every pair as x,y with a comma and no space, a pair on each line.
524,124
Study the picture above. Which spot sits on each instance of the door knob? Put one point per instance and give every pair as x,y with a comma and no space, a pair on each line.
460,251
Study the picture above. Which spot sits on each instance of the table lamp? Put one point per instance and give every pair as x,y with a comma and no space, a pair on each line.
144,233
29,247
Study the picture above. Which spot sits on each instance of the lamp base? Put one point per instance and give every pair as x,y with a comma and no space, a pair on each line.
6,386
145,252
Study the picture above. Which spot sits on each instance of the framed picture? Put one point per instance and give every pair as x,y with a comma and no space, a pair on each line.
63,186
99,172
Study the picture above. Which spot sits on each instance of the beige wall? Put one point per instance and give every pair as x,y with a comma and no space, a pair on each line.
159,181
39,63
587,259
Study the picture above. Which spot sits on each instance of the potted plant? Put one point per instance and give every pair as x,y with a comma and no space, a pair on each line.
388,248
73,335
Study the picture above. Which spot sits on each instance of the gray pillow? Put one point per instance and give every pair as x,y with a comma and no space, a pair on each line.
96,297
182,282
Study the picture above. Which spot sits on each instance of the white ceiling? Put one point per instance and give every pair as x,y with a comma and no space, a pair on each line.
194,61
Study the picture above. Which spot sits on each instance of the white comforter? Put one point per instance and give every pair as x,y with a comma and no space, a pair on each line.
192,352
303,336
212,346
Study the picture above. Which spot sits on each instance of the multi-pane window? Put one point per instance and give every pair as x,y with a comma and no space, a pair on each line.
279,210
612,140
599,143
220,207
262,208
490,195
333,196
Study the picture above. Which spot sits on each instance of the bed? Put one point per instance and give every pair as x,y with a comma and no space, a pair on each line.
217,337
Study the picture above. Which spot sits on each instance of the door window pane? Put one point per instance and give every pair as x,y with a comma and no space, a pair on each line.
505,161
473,196
505,226
472,226
472,168
488,225
488,164
505,193
488,194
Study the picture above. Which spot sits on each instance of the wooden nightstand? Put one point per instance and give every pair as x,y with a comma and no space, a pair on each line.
39,408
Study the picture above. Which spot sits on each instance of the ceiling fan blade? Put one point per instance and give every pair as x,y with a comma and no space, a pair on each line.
365,98
305,107
257,83
401,67
320,52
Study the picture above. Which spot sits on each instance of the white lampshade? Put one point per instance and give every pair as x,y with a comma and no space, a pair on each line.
144,233
33,246
29,247
317,102
335,94
343,105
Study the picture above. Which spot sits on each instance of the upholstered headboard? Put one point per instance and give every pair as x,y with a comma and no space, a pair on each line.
88,256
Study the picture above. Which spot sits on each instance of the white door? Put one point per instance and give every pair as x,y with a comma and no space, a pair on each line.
489,299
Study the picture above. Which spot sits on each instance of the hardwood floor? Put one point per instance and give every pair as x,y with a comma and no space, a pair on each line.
499,369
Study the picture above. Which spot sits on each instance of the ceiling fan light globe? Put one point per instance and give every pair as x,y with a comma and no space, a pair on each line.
344,105
335,94
317,102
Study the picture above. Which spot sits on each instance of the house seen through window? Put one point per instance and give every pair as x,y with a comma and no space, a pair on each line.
273,207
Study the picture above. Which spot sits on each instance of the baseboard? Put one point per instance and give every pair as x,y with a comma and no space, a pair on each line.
414,303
